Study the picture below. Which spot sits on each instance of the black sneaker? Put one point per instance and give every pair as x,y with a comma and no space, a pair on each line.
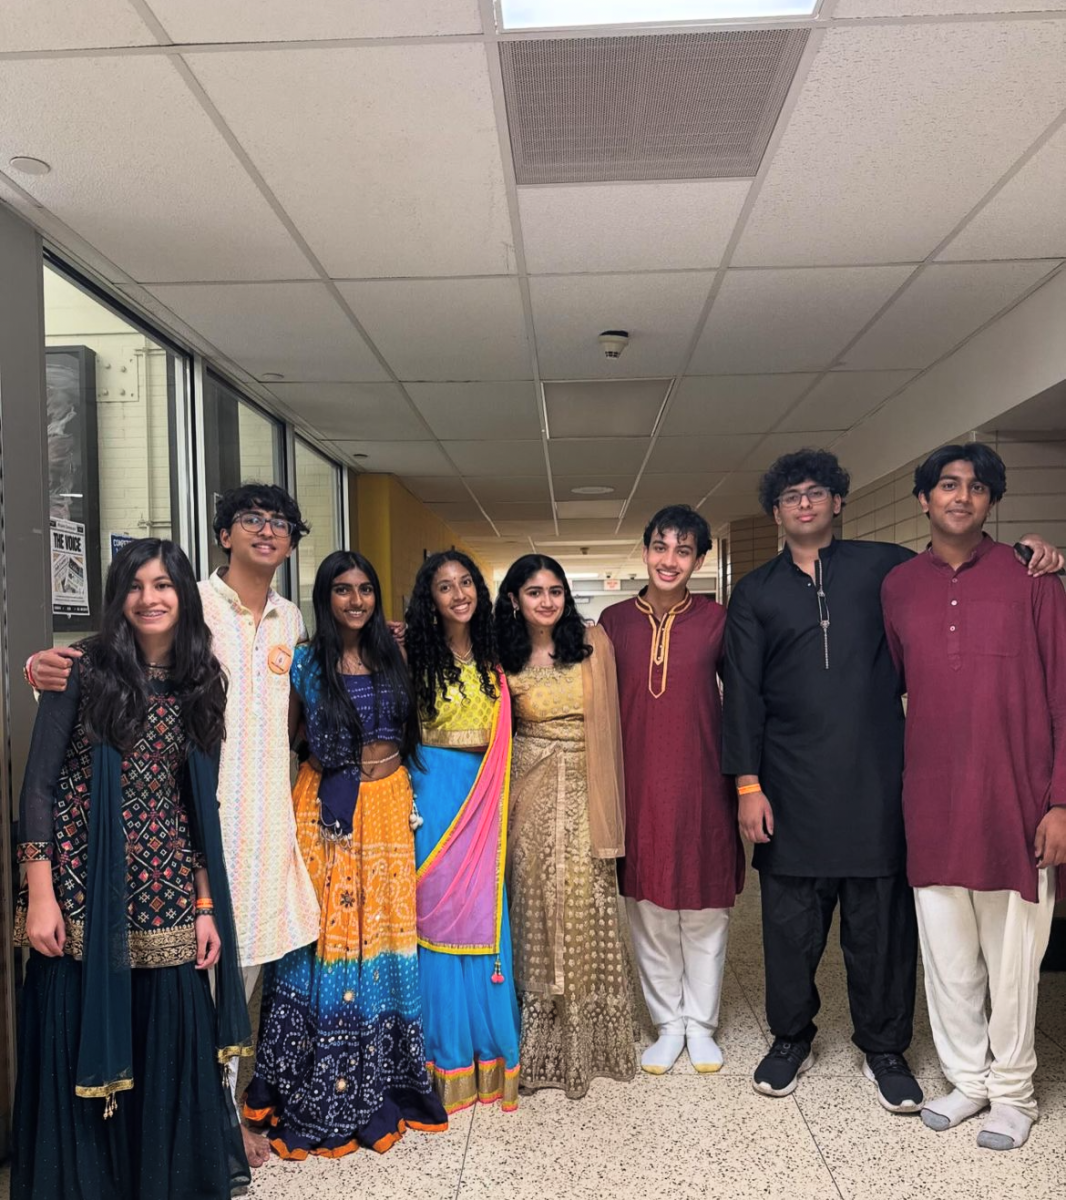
897,1089
779,1071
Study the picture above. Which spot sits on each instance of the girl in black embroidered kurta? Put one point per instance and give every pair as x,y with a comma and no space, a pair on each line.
125,898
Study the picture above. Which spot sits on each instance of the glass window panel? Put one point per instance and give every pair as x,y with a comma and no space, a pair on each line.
112,395
318,490
241,445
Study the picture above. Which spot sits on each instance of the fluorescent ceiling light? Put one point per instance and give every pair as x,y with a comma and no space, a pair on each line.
556,14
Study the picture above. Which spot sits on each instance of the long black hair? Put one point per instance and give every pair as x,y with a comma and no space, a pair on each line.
377,649
117,694
512,636
432,664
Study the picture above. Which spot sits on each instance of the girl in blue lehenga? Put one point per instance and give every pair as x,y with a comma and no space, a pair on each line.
468,999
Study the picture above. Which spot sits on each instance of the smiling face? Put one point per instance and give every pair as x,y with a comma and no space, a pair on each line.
352,601
959,504
541,600
151,604
262,549
671,561
454,593
805,511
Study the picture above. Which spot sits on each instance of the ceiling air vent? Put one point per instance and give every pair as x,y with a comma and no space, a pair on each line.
672,106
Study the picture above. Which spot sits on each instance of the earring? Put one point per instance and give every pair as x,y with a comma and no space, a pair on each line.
514,612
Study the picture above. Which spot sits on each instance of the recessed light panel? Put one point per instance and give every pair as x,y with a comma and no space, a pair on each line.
560,14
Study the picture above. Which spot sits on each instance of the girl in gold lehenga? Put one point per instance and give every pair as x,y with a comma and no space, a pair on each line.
567,827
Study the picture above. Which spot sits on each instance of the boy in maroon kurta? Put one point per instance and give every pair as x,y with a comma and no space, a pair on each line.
982,649
684,862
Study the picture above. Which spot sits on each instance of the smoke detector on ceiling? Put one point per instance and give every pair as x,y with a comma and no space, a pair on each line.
613,342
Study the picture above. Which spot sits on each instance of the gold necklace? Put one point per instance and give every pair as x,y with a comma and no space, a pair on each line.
466,658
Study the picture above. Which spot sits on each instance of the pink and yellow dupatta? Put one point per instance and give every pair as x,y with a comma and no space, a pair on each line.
459,887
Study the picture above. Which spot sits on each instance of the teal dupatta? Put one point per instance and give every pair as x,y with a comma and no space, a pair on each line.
105,1050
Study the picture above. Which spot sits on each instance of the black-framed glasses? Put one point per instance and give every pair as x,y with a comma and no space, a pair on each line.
794,498
255,523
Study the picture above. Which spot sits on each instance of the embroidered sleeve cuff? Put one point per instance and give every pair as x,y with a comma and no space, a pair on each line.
199,861
34,852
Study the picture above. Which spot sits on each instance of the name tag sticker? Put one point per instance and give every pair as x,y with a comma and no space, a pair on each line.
279,659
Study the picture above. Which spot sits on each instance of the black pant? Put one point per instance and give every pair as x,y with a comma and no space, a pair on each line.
879,938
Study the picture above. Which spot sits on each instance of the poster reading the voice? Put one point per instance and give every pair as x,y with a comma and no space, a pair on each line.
70,583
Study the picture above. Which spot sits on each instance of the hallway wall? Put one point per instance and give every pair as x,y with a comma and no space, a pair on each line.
1035,502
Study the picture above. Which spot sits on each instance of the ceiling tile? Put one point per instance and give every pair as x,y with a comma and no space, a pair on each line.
386,157
70,25
790,320
193,21
445,329
524,530
629,226
565,483
511,489
776,444
675,487
1027,219
120,134
626,408
353,410
296,329
721,453
943,305
898,133
739,484
436,489
398,458
478,410
600,456
659,311
460,510
843,398
526,511
940,8
588,509
513,457
732,403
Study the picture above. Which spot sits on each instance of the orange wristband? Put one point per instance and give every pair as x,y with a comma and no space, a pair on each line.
748,788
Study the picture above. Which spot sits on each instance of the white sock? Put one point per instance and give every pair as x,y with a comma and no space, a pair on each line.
704,1053
1005,1128
661,1055
945,1112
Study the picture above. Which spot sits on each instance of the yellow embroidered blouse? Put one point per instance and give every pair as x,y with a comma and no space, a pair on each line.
462,722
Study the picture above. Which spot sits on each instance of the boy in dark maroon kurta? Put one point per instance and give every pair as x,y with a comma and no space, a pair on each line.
684,862
982,648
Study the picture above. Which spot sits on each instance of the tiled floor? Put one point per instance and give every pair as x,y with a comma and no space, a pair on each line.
688,1135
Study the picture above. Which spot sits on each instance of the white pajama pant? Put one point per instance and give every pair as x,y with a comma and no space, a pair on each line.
681,959
251,978
982,952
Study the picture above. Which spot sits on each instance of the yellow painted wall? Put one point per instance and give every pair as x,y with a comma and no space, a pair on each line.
396,531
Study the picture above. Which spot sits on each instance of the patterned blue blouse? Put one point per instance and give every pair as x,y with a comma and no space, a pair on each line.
381,715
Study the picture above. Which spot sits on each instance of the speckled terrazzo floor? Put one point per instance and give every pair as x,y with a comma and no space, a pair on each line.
686,1135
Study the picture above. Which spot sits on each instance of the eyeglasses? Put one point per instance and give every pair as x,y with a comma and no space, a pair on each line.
815,495
255,522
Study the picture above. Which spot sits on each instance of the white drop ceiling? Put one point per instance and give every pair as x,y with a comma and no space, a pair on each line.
326,192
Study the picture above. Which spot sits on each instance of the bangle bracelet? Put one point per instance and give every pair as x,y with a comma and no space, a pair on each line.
205,903
748,788
204,912
27,672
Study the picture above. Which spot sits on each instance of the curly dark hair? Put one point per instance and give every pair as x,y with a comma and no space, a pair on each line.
266,496
431,663
988,468
820,466
116,702
680,519
512,635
